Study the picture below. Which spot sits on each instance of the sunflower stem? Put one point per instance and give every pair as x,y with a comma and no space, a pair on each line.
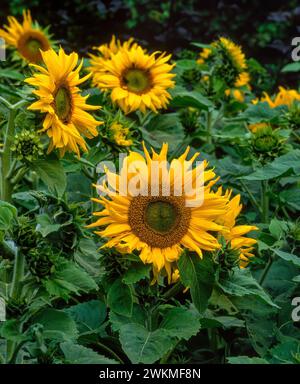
265,202
18,275
209,127
6,190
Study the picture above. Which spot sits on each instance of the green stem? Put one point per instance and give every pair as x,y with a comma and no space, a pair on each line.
21,172
265,271
209,127
264,202
110,351
18,275
176,288
6,157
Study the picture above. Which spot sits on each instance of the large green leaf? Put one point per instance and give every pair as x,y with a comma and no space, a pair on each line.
241,283
138,316
52,174
282,164
89,316
67,279
199,276
57,325
182,98
78,354
287,257
120,299
143,346
181,322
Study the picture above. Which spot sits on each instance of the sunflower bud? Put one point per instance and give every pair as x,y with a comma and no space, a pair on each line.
189,118
27,146
25,235
119,134
41,262
267,143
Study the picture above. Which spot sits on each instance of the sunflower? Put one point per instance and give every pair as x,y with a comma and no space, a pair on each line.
28,38
283,97
160,225
234,234
229,64
66,118
120,134
136,79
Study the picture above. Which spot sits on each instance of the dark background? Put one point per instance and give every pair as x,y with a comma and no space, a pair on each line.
264,28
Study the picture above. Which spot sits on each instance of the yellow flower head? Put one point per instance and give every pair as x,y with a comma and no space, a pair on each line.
137,80
27,38
234,234
120,133
283,97
66,121
258,126
107,50
159,223
230,65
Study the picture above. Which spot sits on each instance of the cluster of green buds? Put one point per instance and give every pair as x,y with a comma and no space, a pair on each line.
25,235
266,142
41,261
189,118
27,146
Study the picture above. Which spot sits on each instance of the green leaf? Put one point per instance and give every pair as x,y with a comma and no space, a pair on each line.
89,316
241,283
45,225
7,213
291,67
288,352
199,276
68,279
57,325
52,174
11,74
246,360
138,316
261,111
163,128
182,98
10,330
120,299
78,354
287,256
143,346
136,273
181,322
282,164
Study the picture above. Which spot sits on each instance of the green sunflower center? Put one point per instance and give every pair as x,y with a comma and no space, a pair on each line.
34,46
160,221
137,80
161,216
63,104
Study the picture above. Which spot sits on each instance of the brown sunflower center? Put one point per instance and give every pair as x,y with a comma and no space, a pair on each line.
137,80
160,221
30,44
63,103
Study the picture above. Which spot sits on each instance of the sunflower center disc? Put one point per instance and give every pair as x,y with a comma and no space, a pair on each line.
161,216
136,80
160,221
63,104
34,46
